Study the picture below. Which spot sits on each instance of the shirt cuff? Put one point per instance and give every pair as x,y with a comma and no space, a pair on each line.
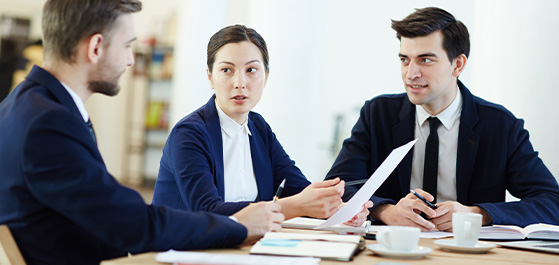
233,218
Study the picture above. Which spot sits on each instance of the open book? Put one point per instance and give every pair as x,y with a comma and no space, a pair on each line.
326,246
312,223
511,232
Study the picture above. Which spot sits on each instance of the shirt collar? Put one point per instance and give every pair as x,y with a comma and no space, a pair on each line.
447,117
228,125
78,101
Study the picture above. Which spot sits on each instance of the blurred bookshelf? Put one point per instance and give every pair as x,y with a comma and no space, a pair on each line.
148,113
148,104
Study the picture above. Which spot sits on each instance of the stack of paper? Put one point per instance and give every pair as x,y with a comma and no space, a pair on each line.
188,257
312,223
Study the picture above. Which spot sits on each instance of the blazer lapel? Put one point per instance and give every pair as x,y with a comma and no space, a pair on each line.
468,141
261,164
403,132
214,130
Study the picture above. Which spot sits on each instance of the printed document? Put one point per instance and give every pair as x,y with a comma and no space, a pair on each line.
355,204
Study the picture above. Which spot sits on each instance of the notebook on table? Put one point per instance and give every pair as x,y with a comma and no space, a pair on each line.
325,246
540,245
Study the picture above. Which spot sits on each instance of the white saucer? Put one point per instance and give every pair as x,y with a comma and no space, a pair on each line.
450,245
416,253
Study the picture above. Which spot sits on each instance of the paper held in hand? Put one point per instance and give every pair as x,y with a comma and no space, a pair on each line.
355,204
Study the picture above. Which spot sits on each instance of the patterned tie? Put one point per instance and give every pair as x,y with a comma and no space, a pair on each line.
431,168
90,126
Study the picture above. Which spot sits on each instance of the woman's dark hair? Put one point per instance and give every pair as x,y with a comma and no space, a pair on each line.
236,34
422,22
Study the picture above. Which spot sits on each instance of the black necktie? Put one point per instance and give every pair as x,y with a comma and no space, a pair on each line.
431,168
90,126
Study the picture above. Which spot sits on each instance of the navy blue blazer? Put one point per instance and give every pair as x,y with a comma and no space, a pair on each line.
59,201
494,155
191,169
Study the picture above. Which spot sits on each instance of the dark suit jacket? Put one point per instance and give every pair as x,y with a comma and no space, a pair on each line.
494,155
62,205
191,170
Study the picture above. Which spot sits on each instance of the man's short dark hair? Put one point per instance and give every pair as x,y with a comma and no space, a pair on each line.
422,22
67,22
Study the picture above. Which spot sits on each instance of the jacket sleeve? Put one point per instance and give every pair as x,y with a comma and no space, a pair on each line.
357,158
65,172
529,179
190,160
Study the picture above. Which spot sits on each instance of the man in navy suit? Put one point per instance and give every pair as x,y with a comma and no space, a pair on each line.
56,196
482,149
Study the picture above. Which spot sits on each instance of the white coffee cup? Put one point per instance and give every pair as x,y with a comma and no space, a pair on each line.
399,238
466,227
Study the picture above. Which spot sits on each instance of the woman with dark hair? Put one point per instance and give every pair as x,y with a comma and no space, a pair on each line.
223,156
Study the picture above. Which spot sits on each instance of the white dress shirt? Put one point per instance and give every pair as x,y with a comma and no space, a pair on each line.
239,179
448,146
78,101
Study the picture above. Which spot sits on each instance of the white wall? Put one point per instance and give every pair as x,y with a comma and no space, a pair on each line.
514,63
326,59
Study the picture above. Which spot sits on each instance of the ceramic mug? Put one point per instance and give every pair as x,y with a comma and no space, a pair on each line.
399,238
466,227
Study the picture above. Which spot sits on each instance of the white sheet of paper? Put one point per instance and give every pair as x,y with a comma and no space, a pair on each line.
355,204
173,256
435,234
431,234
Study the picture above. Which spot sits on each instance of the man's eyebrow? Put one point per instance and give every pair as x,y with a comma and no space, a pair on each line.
429,54
132,40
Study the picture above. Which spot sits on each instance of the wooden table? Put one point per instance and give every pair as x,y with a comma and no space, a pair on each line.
498,255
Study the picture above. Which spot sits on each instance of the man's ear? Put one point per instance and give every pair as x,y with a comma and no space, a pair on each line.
95,48
459,65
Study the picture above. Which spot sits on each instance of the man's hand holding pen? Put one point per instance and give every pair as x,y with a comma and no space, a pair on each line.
407,212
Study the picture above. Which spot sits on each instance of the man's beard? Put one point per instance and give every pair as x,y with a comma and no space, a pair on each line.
104,87
105,81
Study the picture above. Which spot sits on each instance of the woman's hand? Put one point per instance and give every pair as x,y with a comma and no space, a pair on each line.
360,217
319,200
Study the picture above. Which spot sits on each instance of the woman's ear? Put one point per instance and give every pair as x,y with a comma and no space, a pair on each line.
95,48
266,78
209,78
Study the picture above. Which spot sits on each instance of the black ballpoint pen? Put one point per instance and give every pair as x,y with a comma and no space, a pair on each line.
430,204
280,189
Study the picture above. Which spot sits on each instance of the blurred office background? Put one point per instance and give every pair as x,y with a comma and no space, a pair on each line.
326,58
